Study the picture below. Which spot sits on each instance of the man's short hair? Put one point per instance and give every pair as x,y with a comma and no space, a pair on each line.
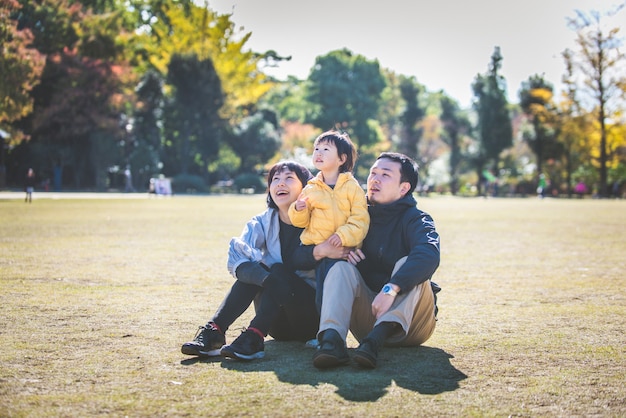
408,168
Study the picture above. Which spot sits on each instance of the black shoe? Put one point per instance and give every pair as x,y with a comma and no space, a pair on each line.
207,343
248,346
331,351
367,353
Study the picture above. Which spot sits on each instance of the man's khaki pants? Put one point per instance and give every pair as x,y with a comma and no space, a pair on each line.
347,305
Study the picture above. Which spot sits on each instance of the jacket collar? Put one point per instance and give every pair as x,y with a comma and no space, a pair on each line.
384,213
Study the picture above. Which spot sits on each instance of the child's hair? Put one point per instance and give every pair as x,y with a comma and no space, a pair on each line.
409,170
303,174
344,147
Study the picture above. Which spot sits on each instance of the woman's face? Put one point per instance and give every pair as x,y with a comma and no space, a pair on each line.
285,187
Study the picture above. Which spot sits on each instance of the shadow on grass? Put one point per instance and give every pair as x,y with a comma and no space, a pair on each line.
426,370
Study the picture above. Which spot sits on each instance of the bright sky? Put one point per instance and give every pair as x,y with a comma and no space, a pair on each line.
444,44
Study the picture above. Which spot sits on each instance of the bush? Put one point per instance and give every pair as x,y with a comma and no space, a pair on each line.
188,183
249,183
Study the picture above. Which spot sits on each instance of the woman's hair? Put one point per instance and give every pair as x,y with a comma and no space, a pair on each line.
344,147
408,168
303,174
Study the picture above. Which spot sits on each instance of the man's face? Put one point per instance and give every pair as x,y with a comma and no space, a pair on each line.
383,182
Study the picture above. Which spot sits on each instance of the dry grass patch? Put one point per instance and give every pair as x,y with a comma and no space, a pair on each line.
96,297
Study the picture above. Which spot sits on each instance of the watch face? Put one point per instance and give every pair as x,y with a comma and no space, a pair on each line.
388,290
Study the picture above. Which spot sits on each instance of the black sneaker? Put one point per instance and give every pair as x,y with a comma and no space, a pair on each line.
248,346
331,352
207,343
367,354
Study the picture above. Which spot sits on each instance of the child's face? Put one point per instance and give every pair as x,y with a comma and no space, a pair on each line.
326,158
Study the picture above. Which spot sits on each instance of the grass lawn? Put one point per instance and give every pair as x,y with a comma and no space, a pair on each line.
97,295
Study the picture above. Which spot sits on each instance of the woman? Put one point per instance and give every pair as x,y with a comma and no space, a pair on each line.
261,260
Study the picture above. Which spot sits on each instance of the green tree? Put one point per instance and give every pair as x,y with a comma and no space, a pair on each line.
145,147
455,126
256,139
411,117
288,97
600,62
494,122
193,126
344,90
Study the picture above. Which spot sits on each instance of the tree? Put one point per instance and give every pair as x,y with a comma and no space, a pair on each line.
494,122
455,125
77,112
184,28
289,100
256,140
344,90
536,102
193,126
145,145
600,64
411,117
82,91
20,66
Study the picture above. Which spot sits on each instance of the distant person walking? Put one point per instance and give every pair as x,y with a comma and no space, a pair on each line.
580,189
128,177
541,186
29,185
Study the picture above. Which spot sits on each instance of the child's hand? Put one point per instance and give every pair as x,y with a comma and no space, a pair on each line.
335,240
301,202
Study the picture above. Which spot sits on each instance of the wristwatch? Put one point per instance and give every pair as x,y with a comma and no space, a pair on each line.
388,290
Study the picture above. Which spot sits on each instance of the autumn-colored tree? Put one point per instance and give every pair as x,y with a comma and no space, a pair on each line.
184,28
601,65
573,129
536,101
78,114
20,66
81,93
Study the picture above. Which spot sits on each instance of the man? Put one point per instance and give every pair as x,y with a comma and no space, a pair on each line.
382,293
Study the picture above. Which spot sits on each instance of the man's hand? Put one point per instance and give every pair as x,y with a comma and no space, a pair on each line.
383,302
354,257
335,240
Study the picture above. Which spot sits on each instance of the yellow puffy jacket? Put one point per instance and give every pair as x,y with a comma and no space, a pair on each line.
341,210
